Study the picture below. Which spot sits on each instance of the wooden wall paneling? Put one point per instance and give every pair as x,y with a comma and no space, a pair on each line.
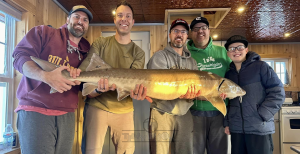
93,33
76,149
25,4
39,20
158,38
96,32
75,141
79,125
140,28
33,2
297,73
46,12
255,48
21,28
52,18
108,28
294,72
279,55
61,17
29,21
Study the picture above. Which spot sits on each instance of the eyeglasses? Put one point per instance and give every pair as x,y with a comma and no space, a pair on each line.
177,31
239,48
196,29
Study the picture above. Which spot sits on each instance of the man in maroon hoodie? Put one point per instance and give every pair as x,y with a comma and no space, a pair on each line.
46,121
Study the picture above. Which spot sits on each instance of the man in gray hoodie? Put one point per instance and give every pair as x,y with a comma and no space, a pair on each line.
171,120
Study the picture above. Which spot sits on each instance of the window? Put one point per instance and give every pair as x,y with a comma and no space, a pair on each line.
280,67
7,37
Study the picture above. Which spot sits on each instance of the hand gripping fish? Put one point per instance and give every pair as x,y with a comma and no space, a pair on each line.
163,84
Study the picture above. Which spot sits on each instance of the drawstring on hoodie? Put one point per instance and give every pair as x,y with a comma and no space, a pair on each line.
71,48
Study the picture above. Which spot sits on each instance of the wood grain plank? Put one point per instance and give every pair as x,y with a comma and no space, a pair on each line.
39,12
279,55
294,72
46,12
25,4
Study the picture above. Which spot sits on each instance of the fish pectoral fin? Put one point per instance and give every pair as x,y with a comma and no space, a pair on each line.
122,94
88,88
218,103
52,90
45,65
97,63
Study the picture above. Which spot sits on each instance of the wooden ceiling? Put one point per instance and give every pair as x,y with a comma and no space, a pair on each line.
262,21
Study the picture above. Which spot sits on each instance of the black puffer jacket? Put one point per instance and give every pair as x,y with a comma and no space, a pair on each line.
264,97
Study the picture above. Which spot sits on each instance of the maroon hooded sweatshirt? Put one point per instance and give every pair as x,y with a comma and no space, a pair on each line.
51,45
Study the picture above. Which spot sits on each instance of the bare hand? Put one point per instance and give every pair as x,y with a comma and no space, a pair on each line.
223,96
103,85
140,93
55,80
192,93
227,130
74,72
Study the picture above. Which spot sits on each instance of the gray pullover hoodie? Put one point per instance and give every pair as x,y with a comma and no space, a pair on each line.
170,59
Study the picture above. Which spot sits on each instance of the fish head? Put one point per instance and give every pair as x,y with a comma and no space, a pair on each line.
230,88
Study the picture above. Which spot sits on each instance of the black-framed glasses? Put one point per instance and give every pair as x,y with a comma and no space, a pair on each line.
239,48
204,27
177,31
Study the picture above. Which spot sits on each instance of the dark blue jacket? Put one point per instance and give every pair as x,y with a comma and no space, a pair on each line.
254,113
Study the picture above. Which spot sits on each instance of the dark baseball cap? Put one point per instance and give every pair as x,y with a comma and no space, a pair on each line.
234,39
180,22
83,9
198,20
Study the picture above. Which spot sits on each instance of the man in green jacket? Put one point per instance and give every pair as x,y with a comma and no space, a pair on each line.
208,121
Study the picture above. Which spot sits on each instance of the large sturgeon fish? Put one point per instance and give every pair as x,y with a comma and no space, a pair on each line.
161,84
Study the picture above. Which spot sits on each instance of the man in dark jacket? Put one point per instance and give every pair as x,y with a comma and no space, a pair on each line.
250,118
46,122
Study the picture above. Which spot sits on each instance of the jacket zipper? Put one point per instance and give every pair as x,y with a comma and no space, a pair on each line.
241,107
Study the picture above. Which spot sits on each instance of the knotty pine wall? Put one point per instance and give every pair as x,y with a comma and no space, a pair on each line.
46,12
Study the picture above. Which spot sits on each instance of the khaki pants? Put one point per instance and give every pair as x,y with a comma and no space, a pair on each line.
166,128
121,129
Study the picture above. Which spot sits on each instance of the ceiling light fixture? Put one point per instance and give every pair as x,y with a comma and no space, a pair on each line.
241,9
114,12
215,36
287,34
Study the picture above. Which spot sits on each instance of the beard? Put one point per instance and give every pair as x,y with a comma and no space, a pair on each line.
177,45
74,32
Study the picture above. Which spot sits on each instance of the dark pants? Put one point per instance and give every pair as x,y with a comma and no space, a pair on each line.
251,144
42,134
209,134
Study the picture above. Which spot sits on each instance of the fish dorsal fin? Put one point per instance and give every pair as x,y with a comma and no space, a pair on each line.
122,94
97,63
88,88
218,103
